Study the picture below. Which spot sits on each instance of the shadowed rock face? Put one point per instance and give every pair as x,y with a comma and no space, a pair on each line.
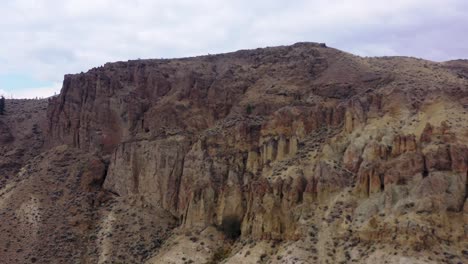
278,141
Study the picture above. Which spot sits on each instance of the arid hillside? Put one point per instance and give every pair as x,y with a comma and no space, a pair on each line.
291,154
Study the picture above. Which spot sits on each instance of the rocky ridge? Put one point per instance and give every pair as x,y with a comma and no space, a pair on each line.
294,154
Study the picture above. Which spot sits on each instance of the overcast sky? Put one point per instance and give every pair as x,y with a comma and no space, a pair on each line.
41,40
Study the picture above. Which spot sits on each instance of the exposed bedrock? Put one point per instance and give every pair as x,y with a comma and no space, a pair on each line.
262,137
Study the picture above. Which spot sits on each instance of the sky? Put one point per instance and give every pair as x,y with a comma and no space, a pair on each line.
41,40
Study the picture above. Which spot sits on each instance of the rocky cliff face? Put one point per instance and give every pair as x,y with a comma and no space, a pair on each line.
304,144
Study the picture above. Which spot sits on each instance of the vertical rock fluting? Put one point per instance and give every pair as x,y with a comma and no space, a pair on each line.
150,170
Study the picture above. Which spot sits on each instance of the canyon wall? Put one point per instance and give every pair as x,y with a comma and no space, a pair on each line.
261,137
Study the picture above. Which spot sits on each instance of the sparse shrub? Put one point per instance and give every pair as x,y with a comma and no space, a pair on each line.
2,105
231,227
219,255
249,109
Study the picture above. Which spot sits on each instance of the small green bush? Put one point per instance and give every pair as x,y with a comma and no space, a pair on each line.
249,109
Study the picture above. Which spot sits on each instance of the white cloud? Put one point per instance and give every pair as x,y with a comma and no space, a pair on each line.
49,38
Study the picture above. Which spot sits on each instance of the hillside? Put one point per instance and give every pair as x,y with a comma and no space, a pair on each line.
291,154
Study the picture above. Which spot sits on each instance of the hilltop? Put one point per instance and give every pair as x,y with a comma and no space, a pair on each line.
290,154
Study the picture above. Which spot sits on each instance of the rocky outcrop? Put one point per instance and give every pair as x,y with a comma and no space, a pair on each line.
151,170
403,144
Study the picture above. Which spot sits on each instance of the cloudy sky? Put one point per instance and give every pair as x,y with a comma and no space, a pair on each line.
41,40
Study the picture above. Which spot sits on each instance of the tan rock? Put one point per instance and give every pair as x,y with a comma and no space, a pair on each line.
403,144
370,179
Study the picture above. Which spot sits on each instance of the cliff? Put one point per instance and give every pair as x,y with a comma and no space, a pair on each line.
296,154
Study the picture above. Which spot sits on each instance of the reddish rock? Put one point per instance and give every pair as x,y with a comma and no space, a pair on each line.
427,133
459,158
402,169
438,159
93,175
